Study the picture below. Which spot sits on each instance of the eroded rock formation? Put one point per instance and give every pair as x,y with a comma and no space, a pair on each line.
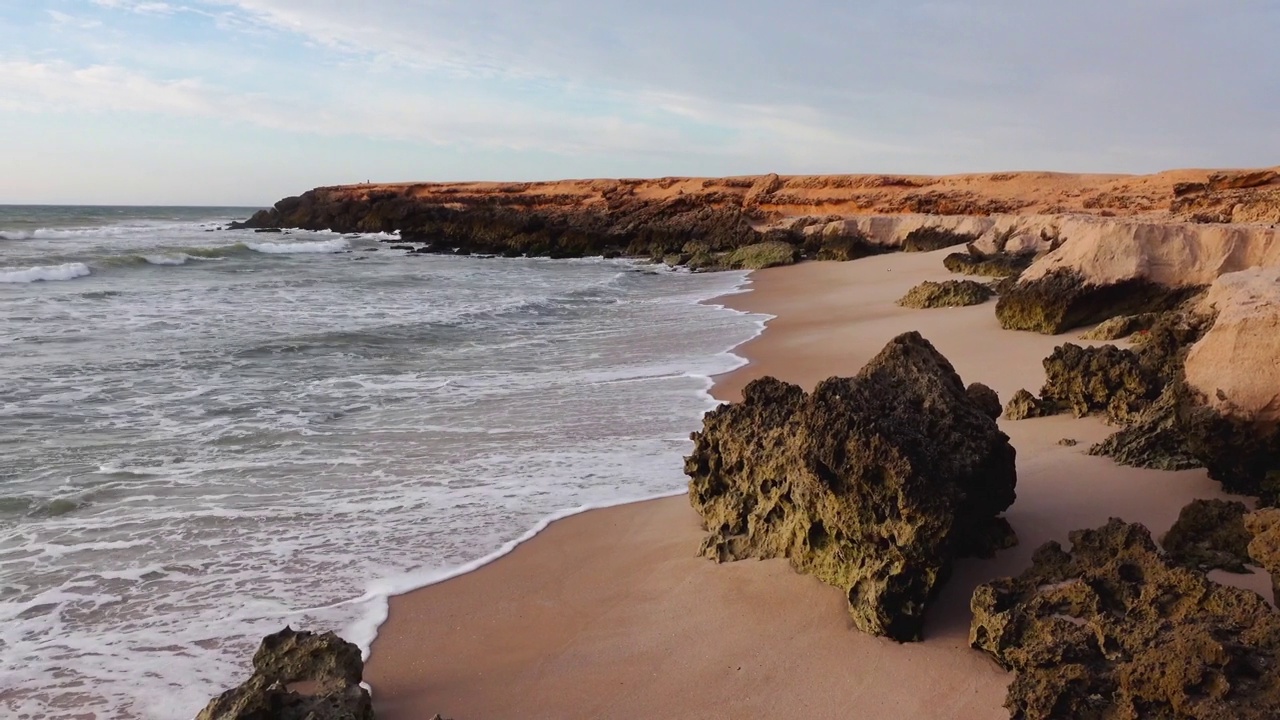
1264,545
873,484
1113,629
1105,378
298,676
948,293
1210,535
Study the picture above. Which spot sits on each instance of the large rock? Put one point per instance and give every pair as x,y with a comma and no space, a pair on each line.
1104,378
873,484
298,676
1064,299
1114,629
1156,439
1210,535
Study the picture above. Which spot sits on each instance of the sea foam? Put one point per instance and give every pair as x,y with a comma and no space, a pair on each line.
326,246
66,271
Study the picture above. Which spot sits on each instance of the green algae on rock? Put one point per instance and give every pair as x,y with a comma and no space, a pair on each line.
1155,440
1063,299
1114,629
1210,535
873,484
329,666
763,255
949,293
1105,378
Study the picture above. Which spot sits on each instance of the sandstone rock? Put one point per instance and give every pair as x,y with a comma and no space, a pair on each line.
949,293
1115,630
1121,327
1241,179
985,398
1264,547
327,668
1155,440
1024,405
1065,299
873,484
1104,378
1210,535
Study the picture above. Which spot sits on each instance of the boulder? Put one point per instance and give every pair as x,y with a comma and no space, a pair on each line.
1210,535
298,676
1105,378
985,398
1024,405
1264,545
874,484
949,293
1113,629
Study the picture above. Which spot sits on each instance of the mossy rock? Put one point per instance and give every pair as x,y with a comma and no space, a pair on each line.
1062,300
1210,535
763,255
928,239
1106,378
1155,440
1002,265
949,293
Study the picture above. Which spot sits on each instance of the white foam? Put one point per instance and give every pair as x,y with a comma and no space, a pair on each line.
66,271
326,246
179,259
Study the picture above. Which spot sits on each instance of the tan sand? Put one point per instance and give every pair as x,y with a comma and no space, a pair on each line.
610,615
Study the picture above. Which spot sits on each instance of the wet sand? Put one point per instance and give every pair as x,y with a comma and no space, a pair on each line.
610,613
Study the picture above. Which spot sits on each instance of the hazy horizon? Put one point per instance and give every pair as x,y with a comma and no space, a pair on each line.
237,103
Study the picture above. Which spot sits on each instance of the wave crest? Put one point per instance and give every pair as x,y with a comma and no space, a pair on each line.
46,273
325,246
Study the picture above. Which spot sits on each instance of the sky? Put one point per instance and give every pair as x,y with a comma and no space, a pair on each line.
241,102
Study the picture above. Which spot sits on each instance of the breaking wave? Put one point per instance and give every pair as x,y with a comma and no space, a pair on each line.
47,273
326,246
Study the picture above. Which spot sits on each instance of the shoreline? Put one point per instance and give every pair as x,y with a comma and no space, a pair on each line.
615,601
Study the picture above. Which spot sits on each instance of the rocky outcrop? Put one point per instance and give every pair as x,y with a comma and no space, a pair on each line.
1113,629
1105,378
1002,265
1156,440
1065,299
1024,405
1210,535
298,676
874,484
1264,545
949,293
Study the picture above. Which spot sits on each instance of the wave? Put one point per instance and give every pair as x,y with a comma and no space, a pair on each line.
66,271
325,246
16,235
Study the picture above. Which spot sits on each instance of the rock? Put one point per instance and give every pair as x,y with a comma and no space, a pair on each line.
298,676
950,293
1064,299
1114,629
1121,327
927,239
1105,378
1241,179
763,255
1068,442
268,230
1155,440
874,484
1024,405
985,398
763,187
402,247
1264,547
1210,535
1001,265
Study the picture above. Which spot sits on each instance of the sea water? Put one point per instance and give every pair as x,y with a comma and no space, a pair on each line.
206,434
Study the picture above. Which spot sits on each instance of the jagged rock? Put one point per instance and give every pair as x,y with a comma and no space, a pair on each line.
1098,379
1264,547
1210,535
1155,440
1024,405
949,293
985,398
927,239
1114,629
873,484
298,676
1243,456
1003,265
1121,327
1068,442
763,255
1062,300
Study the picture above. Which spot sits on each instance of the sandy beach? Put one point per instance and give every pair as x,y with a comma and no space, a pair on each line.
611,614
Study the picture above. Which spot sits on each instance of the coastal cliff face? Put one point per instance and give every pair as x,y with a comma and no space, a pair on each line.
685,217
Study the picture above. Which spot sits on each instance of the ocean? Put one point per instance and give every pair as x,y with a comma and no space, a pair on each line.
206,434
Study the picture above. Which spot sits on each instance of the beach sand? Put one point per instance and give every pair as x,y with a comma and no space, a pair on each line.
610,614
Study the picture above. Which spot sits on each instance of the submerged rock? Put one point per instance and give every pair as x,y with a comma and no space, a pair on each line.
1210,535
1114,629
298,676
949,293
873,484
